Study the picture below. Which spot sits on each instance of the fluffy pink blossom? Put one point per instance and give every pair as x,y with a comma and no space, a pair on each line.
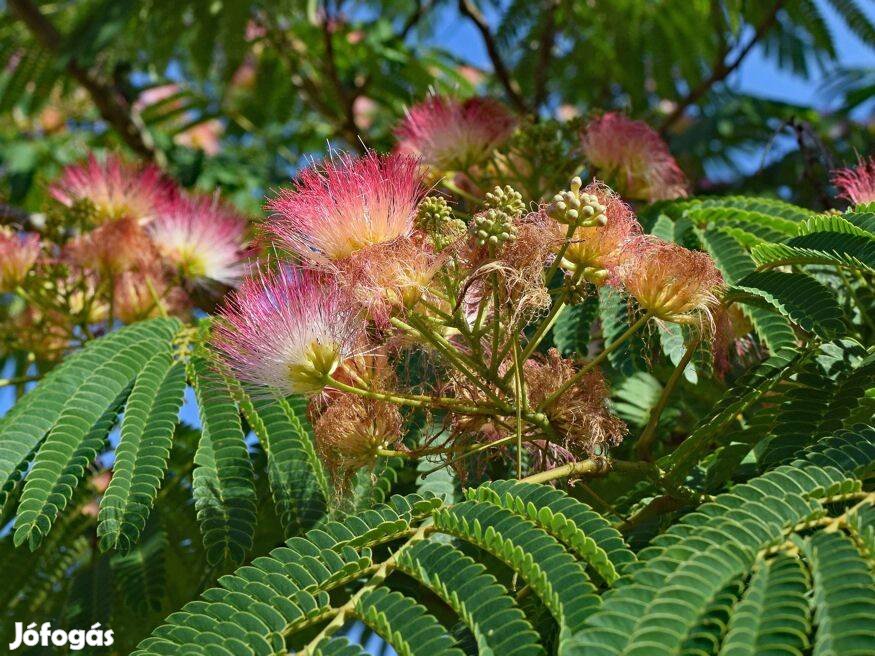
115,189
633,158
288,330
451,134
18,253
346,205
203,238
857,184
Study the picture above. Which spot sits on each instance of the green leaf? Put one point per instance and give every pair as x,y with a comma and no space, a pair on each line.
83,424
797,296
224,487
772,617
142,454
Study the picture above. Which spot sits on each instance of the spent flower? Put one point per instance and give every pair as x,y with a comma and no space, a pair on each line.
671,282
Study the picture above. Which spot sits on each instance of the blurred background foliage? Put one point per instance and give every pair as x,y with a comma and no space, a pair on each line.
238,94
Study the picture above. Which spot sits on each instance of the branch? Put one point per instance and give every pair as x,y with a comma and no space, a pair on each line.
467,9
112,105
422,8
347,100
721,70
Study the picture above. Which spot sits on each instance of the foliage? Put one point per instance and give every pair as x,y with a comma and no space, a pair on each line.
527,416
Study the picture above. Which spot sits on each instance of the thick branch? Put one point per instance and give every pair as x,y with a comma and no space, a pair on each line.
112,105
722,69
470,11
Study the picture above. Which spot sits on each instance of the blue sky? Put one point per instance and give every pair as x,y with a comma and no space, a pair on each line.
756,75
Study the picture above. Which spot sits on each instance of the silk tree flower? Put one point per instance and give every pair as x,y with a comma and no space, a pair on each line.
671,282
633,158
18,253
113,248
145,294
347,204
600,247
113,190
580,414
203,238
288,330
857,184
452,134
392,277
351,429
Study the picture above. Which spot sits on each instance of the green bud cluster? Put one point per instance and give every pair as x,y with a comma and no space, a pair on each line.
432,213
493,227
575,208
435,218
507,199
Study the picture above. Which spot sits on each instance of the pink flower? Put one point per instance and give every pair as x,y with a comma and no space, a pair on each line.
205,136
857,184
451,134
112,248
346,205
633,158
671,282
288,330
203,238
18,253
114,190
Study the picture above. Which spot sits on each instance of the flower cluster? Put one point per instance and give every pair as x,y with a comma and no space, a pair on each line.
120,243
373,267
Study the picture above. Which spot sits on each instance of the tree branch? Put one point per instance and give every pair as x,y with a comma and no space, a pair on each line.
112,105
721,70
467,9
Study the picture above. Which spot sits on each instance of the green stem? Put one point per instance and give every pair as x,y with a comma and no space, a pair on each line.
595,361
594,466
413,400
520,396
451,186
18,380
642,447
341,614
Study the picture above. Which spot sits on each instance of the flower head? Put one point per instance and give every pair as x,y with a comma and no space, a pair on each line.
346,205
633,158
288,330
113,190
112,248
18,253
580,414
671,282
203,239
601,247
857,184
351,429
146,294
391,277
452,134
